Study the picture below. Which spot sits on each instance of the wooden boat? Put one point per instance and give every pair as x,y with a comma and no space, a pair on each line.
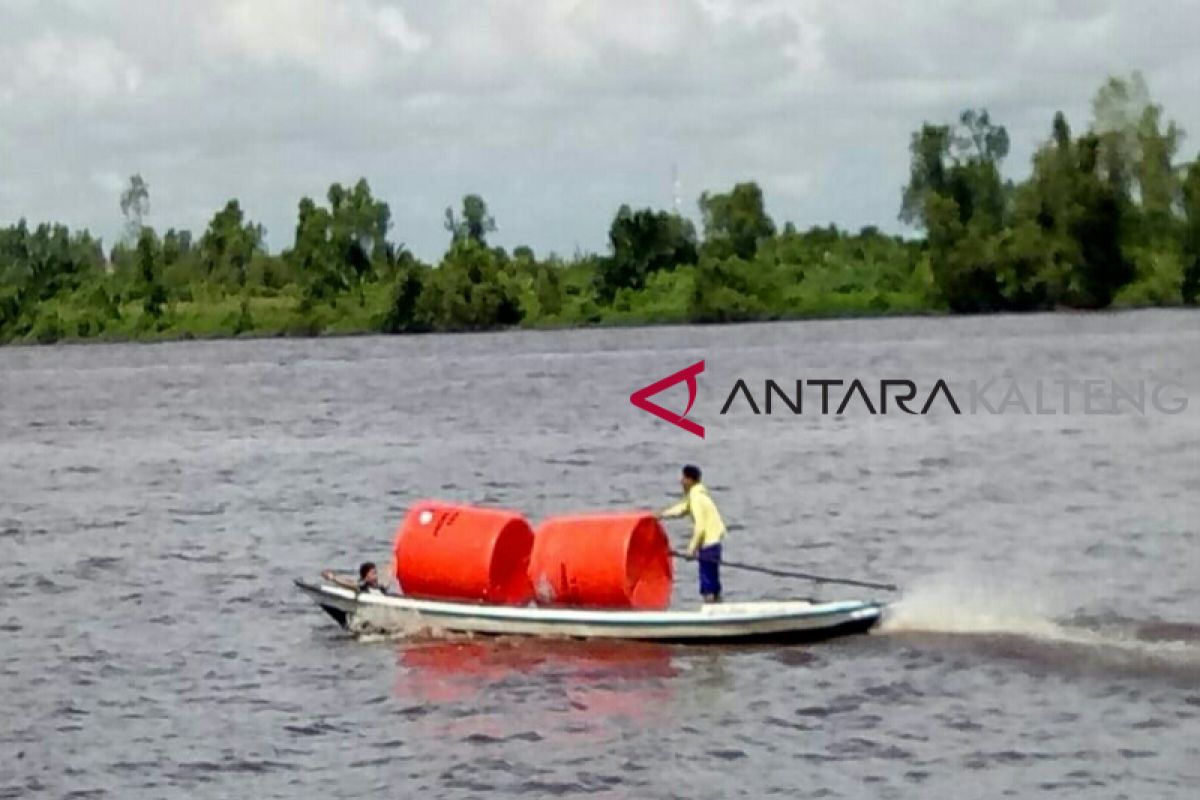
764,621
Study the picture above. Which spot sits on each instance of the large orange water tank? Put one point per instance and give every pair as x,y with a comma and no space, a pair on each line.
459,552
602,561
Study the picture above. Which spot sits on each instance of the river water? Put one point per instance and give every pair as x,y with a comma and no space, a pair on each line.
156,502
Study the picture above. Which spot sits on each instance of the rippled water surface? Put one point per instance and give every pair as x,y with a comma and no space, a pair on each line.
157,501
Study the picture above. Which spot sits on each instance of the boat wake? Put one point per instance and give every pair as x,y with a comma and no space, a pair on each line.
1029,627
970,607
368,634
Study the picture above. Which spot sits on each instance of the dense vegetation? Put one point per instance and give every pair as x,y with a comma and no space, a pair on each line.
1106,217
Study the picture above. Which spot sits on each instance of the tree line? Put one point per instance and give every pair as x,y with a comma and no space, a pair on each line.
1107,216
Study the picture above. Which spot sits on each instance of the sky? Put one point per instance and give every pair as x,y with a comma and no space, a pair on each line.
555,111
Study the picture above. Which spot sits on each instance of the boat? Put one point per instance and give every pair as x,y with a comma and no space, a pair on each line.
773,621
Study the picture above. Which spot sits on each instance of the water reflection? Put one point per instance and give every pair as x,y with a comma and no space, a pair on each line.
467,689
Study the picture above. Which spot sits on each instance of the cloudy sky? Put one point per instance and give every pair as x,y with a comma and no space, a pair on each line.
556,111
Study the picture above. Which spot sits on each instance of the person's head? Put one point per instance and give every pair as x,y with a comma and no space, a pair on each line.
691,476
367,573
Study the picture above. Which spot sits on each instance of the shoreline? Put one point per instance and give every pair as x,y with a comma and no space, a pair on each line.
75,341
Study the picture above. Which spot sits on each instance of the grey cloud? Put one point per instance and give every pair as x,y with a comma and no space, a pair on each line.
556,112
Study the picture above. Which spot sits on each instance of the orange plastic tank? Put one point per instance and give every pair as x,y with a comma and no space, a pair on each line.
602,561
445,551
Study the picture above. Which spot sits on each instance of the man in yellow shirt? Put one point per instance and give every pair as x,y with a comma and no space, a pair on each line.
708,531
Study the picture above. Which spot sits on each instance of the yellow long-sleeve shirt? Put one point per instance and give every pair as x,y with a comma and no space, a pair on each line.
707,526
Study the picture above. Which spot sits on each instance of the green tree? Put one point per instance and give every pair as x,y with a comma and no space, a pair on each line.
338,248
549,290
149,255
1191,235
735,221
1159,187
177,246
10,312
956,193
311,255
135,206
644,242
358,231
472,289
404,312
1103,267
1135,156
1117,107
1079,209
475,222
724,292
229,245
39,268
929,151
962,163
963,258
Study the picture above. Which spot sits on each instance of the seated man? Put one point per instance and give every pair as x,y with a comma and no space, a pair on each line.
368,579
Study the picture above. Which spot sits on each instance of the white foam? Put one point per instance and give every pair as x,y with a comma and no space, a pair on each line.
989,607
958,604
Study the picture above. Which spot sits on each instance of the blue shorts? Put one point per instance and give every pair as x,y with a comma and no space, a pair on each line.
710,570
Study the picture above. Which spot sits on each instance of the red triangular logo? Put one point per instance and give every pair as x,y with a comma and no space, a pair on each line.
641,398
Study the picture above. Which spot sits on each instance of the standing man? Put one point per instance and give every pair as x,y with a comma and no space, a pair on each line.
708,531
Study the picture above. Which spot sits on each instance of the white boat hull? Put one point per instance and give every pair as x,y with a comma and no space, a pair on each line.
783,621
